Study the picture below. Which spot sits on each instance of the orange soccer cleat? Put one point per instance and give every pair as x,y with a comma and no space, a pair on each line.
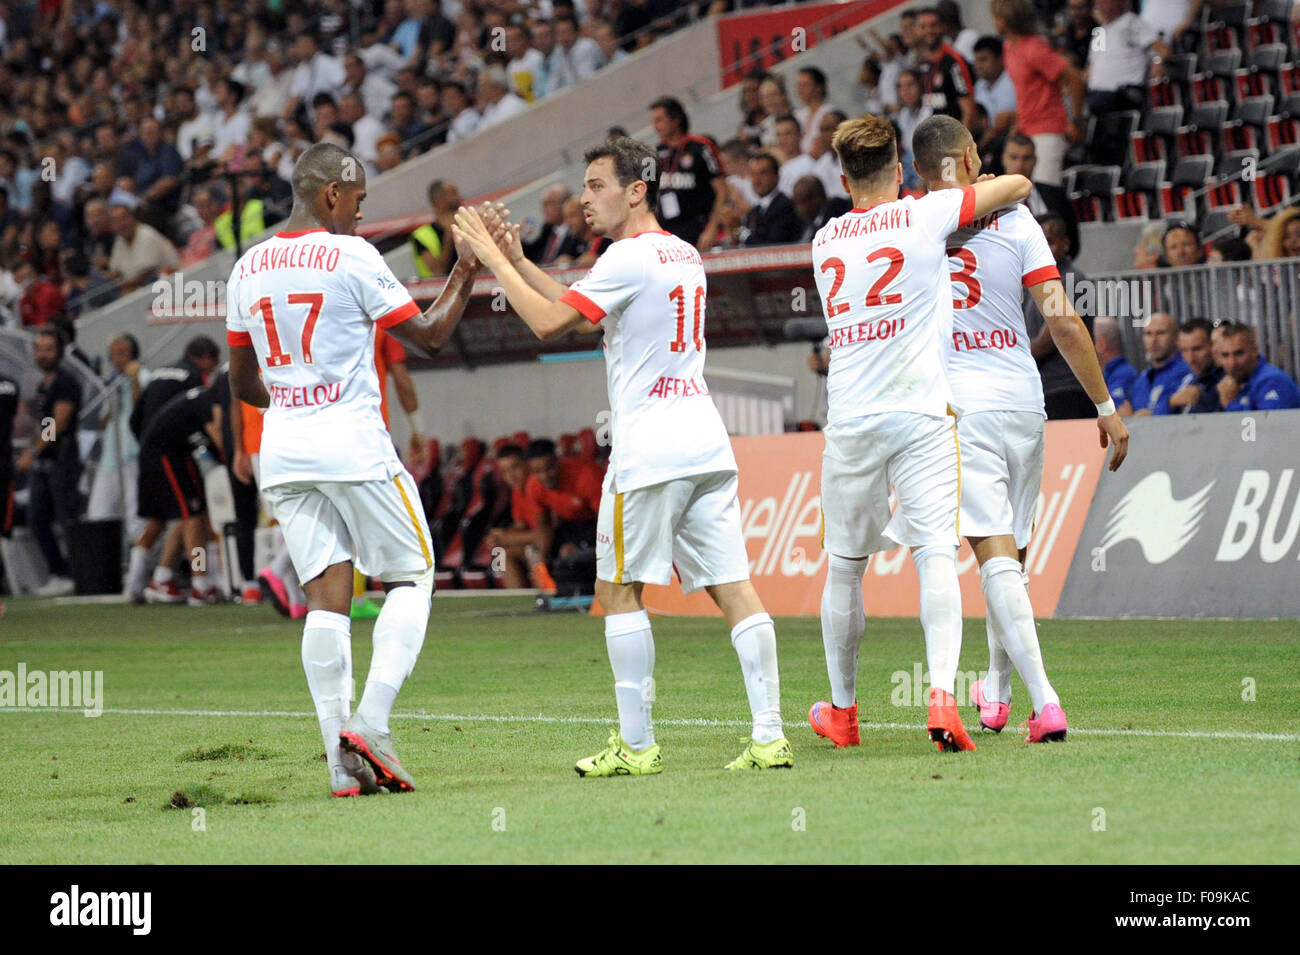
945,725
840,726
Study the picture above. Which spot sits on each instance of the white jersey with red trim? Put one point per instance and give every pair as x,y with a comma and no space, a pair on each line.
648,290
990,367
883,279
308,302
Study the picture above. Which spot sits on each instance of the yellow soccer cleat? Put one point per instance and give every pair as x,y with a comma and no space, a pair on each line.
617,760
774,755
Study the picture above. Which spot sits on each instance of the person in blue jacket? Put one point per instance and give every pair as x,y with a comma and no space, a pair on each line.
1251,383
1157,383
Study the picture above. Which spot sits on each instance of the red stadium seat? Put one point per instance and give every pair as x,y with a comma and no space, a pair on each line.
1129,205
1271,193
1281,132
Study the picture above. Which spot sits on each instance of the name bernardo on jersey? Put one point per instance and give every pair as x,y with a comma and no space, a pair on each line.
309,255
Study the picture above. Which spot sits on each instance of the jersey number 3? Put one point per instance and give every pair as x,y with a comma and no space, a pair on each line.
278,357
974,292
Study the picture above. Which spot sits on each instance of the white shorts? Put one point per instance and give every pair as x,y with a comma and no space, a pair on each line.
916,454
1001,473
378,525
691,524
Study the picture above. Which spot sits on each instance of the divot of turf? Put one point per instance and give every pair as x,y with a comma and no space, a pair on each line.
238,751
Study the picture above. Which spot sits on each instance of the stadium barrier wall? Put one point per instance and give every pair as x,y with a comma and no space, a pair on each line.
1203,520
750,40
780,500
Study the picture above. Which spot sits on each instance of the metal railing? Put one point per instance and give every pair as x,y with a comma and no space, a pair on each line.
1263,295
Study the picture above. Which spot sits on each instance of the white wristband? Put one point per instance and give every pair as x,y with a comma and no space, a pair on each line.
413,418
1106,407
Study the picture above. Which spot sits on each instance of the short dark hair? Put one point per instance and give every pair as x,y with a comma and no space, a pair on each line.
132,344
816,75
49,331
1196,325
674,110
568,18
936,139
632,160
1232,249
540,448
1020,139
788,118
1179,225
201,346
318,166
989,44
768,158
1053,219
909,14
322,99
510,450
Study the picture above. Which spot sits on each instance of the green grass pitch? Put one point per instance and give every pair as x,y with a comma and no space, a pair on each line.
1166,762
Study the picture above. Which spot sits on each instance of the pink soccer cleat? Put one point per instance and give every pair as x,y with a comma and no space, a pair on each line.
993,716
274,588
1049,727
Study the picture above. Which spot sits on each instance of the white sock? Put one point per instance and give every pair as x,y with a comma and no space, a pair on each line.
327,661
282,565
137,574
997,682
631,648
213,577
161,574
755,641
940,613
398,637
843,621
1012,618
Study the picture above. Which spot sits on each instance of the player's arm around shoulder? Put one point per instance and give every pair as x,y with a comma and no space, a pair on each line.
1000,191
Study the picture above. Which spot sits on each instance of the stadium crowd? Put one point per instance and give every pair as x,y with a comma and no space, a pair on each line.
147,139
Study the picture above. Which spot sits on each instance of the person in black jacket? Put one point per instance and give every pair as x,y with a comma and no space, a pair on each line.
773,219
53,460
8,411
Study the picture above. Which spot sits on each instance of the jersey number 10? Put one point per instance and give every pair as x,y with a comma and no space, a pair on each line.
278,357
678,295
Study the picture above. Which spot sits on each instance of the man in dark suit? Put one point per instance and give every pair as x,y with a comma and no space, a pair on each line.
813,208
1018,156
545,246
772,220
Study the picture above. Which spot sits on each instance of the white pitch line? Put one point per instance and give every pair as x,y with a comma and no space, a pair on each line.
605,720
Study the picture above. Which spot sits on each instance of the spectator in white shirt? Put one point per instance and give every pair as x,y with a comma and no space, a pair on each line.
366,130
994,89
271,97
810,87
771,96
194,127
828,164
574,57
1117,66
526,63
315,71
911,113
495,99
963,38
607,39
139,251
735,163
232,123
375,90
463,117
794,163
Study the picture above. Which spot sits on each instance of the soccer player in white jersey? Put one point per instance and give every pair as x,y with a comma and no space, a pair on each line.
670,492
301,311
995,383
883,279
